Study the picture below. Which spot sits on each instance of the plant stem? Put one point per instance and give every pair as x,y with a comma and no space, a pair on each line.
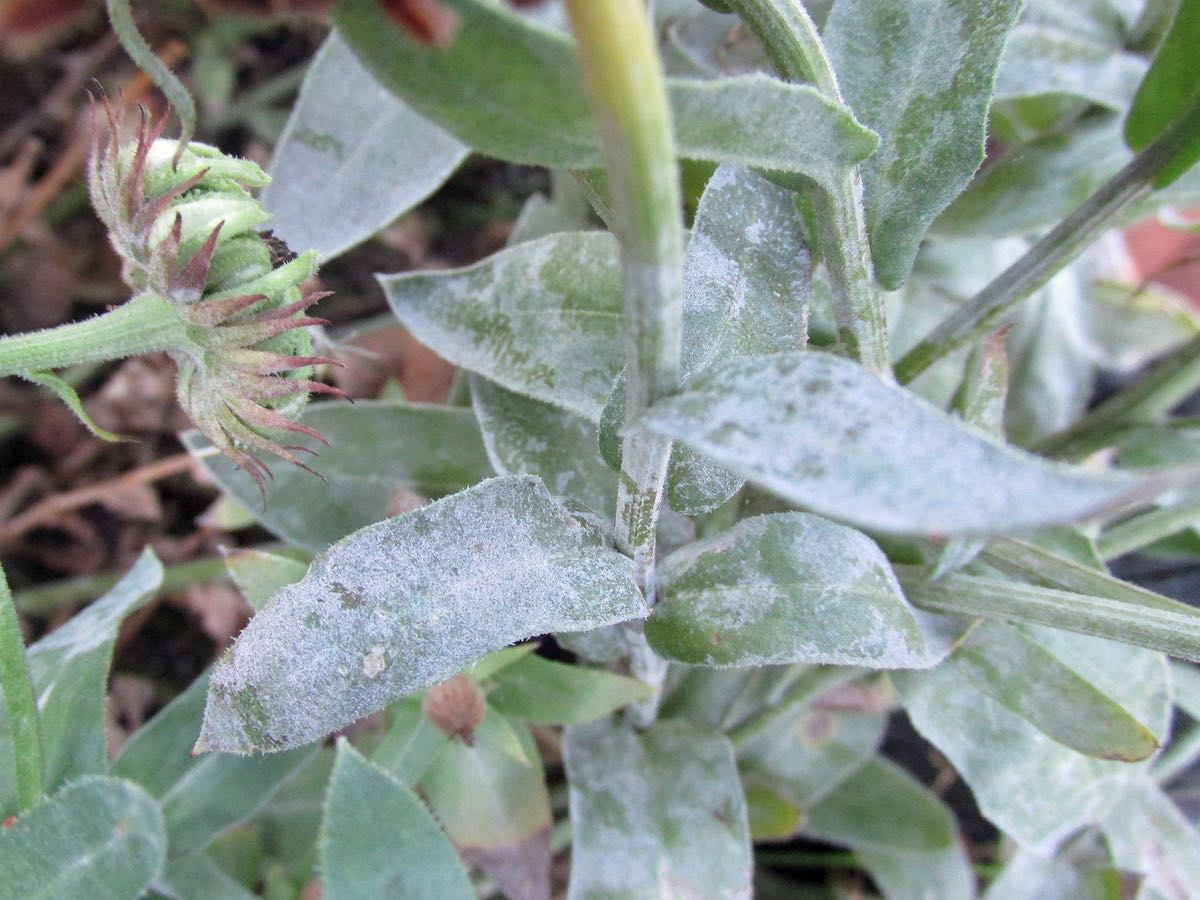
21,704
1170,381
795,48
1052,253
1137,532
145,324
625,84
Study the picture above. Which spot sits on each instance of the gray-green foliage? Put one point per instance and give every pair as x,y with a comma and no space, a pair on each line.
833,547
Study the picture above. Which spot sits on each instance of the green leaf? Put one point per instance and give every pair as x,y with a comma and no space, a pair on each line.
411,744
787,588
655,813
1148,834
99,838
1029,785
373,157
551,693
920,75
1046,59
69,670
70,397
1169,90
1035,185
197,877
903,835
494,805
527,103
200,796
1013,668
379,840
408,602
260,575
542,318
822,432
528,437
380,454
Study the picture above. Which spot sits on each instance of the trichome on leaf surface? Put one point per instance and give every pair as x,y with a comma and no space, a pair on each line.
772,421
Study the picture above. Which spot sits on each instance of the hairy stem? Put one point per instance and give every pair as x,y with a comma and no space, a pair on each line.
20,703
795,48
145,324
625,85
1051,254
120,16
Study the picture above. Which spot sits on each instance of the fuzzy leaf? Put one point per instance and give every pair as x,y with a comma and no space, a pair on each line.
99,838
69,668
380,452
822,432
527,104
1032,787
1148,834
903,835
1167,92
787,588
1042,59
406,603
379,840
260,575
528,437
656,813
1017,671
373,157
551,693
197,877
200,796
542,318
921,75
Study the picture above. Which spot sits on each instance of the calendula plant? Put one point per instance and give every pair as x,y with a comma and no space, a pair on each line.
775,414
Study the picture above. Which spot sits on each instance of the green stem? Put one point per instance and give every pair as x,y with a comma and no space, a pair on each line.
120,16
21,704
1169,382
795,48
1050,254
804,690
625,84
143,325
1137,532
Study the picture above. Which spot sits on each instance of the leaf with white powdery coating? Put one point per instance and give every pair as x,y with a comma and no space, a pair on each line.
379,840
406,603
921,75
69,669
380,454
346,133
788,588
100,838
822,432
542,319
513,89
655,813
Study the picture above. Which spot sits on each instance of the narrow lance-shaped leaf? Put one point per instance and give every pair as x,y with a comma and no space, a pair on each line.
921,75
69,669
382,456
527,103
788,588
1169,91
660,813
540,690
379,840
99,838
406,603
822,432
373,157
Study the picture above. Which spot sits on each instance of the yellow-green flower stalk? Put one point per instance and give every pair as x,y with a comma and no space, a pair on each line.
207,288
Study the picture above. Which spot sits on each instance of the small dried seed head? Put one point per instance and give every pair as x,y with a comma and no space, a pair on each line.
456,707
